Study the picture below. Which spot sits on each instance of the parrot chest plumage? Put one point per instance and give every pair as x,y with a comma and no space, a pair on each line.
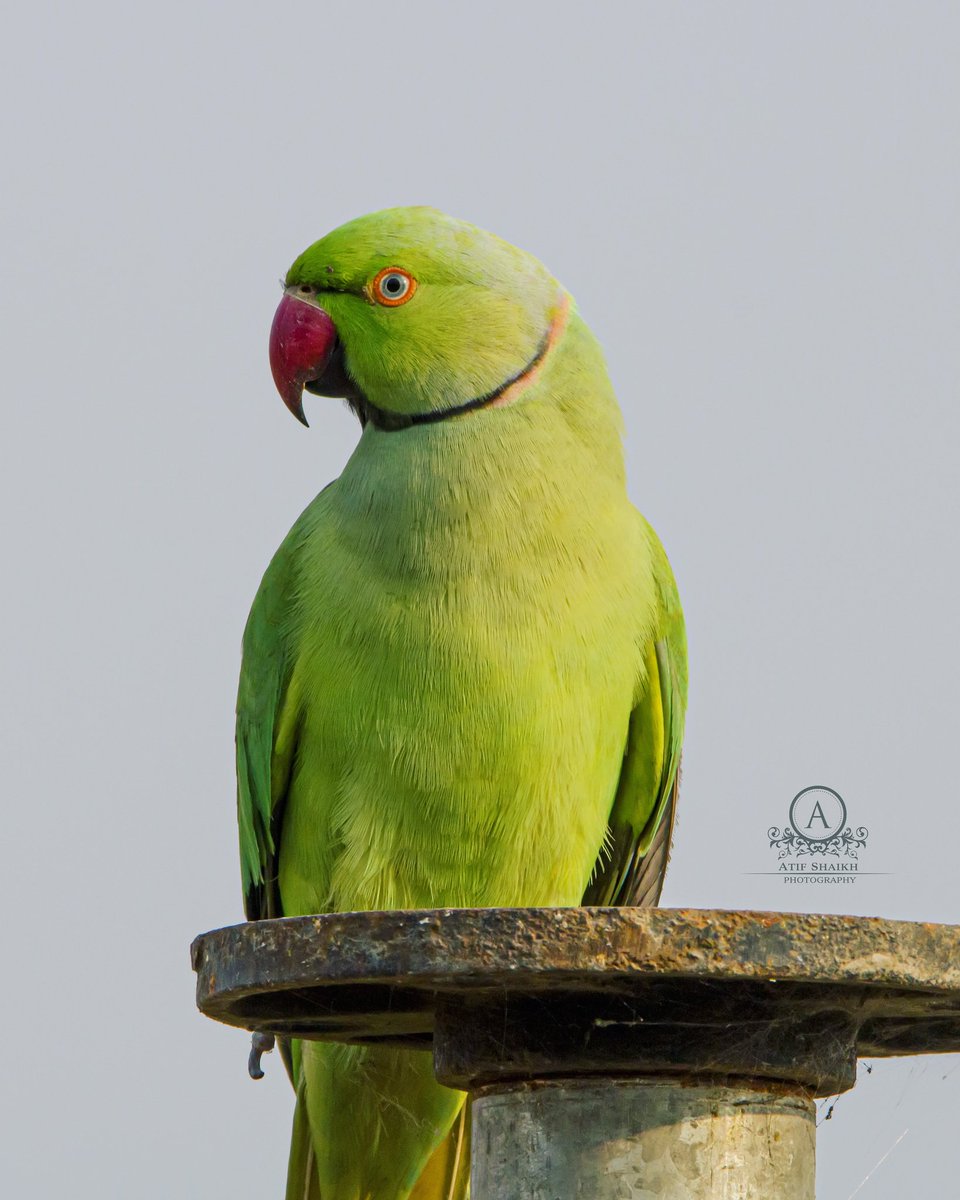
468,650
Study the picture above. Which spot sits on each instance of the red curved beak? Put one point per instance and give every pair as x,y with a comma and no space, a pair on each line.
302,340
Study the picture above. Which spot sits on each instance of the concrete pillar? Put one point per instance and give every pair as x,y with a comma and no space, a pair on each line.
641,1139
596,1042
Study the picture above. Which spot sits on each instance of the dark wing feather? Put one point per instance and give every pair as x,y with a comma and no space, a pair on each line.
263,773
632,865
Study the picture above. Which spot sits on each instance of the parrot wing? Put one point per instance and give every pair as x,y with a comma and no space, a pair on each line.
631,868
264,760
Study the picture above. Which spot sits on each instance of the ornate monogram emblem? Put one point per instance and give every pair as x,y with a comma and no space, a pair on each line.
818,826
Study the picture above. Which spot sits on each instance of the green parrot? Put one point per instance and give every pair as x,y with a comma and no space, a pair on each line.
464,674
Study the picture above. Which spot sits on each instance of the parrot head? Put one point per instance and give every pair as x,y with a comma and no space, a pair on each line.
412,316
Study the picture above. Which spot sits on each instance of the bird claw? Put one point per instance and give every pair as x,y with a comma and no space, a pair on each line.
260,1044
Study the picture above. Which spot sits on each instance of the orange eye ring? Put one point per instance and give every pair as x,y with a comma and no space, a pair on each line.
393,286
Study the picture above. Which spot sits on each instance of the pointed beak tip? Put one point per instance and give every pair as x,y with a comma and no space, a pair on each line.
291,393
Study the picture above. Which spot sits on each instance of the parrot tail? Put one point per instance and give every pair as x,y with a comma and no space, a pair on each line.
445,1177
302,1182
447,1173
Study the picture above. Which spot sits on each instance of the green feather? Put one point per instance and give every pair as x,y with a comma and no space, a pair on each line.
464,675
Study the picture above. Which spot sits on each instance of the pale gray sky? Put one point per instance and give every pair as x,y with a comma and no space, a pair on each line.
756,206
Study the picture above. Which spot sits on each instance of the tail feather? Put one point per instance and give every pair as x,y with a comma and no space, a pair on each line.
447,1173
302,1181
445,1177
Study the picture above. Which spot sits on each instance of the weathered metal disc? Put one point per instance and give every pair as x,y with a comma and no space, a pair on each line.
381,976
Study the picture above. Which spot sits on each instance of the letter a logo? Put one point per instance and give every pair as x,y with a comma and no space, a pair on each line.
817,812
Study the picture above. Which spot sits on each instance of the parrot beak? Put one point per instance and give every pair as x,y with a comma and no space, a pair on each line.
302,341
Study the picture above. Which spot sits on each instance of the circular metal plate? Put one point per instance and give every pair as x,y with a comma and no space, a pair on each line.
381,976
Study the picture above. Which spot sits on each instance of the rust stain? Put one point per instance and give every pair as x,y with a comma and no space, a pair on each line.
896,984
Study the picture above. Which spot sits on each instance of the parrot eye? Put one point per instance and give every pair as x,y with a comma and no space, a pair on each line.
393,286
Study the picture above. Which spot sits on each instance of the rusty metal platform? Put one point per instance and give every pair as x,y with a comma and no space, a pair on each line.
533,993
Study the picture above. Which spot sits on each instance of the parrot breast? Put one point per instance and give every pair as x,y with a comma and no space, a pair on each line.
469,661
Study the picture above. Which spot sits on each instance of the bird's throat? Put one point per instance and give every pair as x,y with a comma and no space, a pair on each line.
504,394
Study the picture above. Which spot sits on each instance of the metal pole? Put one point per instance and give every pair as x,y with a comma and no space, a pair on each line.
641,1139
611,1054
